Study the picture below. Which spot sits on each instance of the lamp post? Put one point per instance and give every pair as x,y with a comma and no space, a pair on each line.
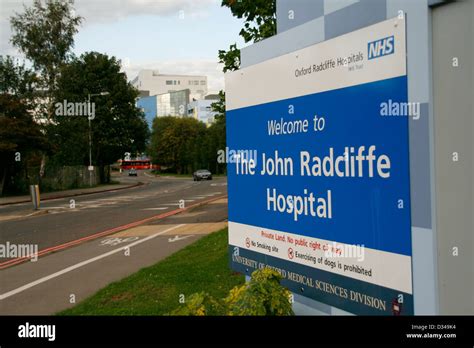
91,168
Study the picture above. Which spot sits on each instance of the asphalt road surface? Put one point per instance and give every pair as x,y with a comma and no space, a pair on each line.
87,215
46,285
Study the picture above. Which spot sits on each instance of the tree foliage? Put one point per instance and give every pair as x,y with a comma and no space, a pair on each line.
217,134
16,79
219,106
44,33
230,59
259,16
118,126
20,136
259,23
179,144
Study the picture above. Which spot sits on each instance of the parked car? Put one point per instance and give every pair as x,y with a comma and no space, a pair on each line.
132,172
202,174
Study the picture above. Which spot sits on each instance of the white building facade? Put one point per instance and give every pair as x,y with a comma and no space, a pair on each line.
155,83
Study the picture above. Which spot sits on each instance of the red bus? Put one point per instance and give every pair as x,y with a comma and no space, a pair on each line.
138,164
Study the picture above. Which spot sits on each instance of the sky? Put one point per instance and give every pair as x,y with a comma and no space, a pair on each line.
172,36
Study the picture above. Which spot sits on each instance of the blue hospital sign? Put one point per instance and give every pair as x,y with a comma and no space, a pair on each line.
318,170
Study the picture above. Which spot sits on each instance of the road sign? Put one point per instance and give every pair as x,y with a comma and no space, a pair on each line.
326,197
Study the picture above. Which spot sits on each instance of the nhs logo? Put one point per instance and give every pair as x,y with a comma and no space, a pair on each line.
382,47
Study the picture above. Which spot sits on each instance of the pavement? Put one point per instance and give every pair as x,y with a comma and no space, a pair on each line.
66,193
28,211
105,237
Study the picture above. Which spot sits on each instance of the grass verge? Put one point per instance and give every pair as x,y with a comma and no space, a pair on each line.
155,290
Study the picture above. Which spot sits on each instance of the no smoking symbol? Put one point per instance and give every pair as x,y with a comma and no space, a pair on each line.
290,253
247,242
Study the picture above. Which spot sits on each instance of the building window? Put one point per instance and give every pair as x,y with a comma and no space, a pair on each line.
179,82
169,82
203,83
196,82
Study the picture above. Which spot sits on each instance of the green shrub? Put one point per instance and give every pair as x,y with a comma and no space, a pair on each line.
262,295
200,304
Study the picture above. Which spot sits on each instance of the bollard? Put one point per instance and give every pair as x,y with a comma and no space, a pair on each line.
35,196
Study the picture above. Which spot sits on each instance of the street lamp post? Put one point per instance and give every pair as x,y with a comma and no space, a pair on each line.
91,168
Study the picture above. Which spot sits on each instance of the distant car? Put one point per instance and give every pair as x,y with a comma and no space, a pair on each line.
202,174
132,172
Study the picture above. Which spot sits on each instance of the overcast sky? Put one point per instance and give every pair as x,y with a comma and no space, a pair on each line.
173,36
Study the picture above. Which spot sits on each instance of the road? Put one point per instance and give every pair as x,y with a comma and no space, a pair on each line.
99,212
47,285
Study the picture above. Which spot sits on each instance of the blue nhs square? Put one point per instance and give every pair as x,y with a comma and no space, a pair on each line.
382,47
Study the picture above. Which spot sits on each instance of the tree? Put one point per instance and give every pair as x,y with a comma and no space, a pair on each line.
219,106
179,143
17,80
162,143
230,59
259,24
118,126
217,134
20,136
44,33
259,15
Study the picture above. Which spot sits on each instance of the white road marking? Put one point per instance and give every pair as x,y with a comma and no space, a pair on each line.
178,238
117,241
104,199
83,263
162,208
101,203
106,203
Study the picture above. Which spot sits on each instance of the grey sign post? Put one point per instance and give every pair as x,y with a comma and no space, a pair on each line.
35,196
